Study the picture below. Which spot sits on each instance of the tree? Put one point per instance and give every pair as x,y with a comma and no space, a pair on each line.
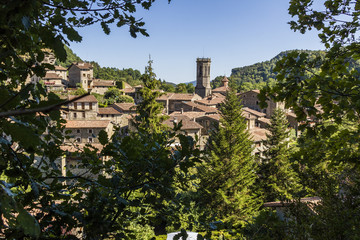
31,129
228,174
278,179
324,91
79,91
181,88
190,88
149,110
115,95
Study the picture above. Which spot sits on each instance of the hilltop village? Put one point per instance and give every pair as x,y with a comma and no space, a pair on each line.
198,112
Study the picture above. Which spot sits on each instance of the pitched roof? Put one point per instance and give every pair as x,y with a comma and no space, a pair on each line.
165,96
264,120
88,98
125,106
254,112
191,115
225,79
222,89
108,110
103,83
179,96
258,134
215,117
79,147
60,68
187,124
184,96
52,76
81,65
202,108
210,101
87,123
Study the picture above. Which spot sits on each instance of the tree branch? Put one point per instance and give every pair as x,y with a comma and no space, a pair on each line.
40,109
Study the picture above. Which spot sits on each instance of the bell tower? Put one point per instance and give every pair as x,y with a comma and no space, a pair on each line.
203,88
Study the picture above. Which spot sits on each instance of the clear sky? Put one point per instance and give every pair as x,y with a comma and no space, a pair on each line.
233,33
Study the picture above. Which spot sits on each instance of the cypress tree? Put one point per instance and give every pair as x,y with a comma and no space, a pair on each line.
278,179
228,173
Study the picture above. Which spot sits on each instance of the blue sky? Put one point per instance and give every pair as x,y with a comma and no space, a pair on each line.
233,33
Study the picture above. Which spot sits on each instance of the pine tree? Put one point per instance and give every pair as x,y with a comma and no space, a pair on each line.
277,176
149,116
229,172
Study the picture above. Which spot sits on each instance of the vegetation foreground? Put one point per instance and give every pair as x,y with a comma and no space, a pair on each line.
148,186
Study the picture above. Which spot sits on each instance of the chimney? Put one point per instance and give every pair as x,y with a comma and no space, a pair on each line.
182,110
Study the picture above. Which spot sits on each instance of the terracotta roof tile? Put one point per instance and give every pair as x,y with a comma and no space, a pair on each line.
191,115
222,89
202,108
184,96
103,83
52,76
82,65
258,134
254,112
60,68
109,110
264,120
187,124
125,106
87,123
88,98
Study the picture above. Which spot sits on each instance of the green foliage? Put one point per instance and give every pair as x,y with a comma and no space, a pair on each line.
261,74
181,88
78,92
229,172
92,205
149,109
115,95
277,178
71,57
166,87
129,75
190,88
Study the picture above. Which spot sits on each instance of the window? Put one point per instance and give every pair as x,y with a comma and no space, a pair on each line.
75,115
257,102
112,115
84,74
83,114
75,105
77,130
82,105
90,106
90,140
78,139
90,131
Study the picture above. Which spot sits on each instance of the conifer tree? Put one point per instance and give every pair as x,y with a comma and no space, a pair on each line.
277,176
228,173
149,110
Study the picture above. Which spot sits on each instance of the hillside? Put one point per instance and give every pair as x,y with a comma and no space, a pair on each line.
128,75
259,74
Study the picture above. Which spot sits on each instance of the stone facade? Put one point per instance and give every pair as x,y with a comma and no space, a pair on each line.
81,73
203,87
250,100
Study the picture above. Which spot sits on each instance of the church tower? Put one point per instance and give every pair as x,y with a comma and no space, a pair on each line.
203,88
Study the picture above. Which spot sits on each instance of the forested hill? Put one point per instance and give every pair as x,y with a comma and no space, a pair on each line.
129,75
259,74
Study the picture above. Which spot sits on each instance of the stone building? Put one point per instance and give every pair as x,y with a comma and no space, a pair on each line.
174,101
224,88
101,86
250,100
54,82
203,88
189,127
83,108
81,73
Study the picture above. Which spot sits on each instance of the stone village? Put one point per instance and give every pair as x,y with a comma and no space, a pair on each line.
197,111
